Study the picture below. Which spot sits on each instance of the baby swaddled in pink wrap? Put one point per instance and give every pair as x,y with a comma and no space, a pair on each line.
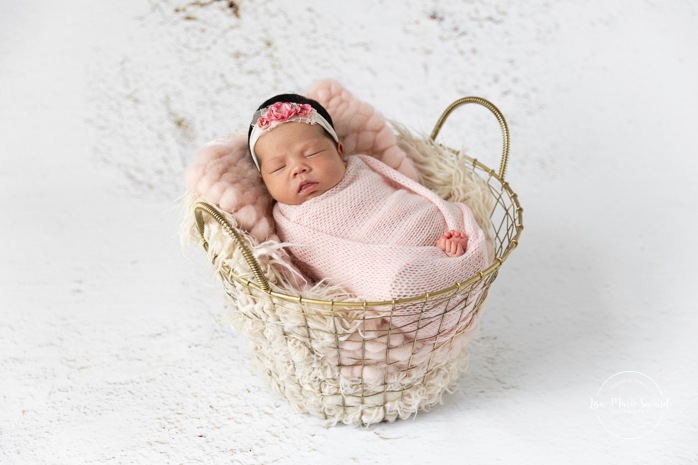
356,222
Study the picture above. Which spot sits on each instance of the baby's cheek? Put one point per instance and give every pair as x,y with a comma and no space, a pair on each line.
268,187
282,195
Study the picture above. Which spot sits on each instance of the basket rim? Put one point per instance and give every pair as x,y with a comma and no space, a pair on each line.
229,275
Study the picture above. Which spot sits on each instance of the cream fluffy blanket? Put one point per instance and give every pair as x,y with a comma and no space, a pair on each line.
374,234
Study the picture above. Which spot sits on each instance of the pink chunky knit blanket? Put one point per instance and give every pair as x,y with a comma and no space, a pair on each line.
374,234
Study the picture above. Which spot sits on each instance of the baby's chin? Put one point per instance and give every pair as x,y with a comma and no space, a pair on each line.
299,200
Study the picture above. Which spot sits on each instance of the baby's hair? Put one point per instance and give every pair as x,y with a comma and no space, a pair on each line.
291,98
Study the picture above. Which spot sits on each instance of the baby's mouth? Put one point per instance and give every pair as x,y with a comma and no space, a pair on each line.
307,187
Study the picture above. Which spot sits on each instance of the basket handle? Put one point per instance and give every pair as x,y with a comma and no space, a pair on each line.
201,208
490,107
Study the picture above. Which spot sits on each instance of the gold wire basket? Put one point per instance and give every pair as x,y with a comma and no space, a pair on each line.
361,362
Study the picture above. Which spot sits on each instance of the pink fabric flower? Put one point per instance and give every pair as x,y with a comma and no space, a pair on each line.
304,110
263,123
283,111
280,111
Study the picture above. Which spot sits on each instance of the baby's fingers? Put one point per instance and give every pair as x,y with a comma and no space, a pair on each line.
454,246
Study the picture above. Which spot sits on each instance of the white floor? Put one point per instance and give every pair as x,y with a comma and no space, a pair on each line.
114,347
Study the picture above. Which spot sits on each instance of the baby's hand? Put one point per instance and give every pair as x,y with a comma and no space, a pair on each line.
453,243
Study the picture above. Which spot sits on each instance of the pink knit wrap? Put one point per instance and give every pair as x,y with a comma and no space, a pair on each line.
375,233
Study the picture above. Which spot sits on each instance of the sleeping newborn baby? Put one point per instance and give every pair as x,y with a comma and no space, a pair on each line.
355,222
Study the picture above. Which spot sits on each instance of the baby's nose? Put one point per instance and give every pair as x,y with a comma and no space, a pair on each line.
300,167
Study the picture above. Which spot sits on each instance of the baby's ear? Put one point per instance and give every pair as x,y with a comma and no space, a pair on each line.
340,148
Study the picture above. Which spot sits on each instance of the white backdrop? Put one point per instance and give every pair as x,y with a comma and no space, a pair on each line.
114,345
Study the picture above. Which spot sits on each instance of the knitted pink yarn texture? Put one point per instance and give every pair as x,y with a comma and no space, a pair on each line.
375,233
224,174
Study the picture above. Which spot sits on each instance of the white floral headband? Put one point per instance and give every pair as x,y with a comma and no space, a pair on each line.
279,113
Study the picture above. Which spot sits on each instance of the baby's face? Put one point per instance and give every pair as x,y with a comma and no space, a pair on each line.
299,161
